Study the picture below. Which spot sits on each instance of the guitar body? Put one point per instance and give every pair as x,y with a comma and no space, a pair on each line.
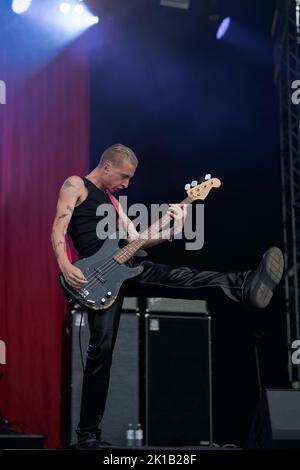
105,277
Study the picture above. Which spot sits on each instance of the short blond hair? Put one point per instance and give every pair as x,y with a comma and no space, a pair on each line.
116,153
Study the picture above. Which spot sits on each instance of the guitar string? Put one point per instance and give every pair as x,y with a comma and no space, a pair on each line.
111,264
111,259
107,265
155,226
106,269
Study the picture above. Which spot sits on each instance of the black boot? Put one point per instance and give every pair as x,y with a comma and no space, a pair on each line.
259,284
89,440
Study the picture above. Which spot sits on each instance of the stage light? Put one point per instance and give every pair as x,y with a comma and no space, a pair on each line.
20,6
65,7
79,9
79,16
223,28
298,14
92,20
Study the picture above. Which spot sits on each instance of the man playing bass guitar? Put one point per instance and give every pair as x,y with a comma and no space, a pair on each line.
77,215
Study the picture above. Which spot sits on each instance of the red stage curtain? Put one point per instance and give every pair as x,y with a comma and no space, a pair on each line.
44,137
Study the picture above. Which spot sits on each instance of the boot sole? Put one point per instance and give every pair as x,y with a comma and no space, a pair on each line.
270,274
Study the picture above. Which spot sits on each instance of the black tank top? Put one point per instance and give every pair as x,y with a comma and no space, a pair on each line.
83,224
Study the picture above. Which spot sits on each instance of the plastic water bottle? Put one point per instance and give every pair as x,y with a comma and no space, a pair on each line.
139,435
130,435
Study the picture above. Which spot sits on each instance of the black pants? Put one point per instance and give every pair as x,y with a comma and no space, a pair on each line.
180,282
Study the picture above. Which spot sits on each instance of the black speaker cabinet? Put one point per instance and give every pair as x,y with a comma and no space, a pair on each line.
122,406
178,378
277,421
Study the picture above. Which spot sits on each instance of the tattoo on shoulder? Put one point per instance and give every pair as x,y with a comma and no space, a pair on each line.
68,184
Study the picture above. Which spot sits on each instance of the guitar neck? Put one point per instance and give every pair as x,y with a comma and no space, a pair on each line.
126,253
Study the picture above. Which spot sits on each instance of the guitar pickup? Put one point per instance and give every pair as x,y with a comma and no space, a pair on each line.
100,278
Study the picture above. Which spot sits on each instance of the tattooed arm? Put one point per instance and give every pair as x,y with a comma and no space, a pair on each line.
69,195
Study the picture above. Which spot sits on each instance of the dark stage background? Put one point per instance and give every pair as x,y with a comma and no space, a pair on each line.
187,105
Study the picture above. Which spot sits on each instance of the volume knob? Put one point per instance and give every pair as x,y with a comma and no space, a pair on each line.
108,294
103,300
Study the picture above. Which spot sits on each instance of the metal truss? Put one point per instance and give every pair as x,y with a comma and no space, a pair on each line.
286,34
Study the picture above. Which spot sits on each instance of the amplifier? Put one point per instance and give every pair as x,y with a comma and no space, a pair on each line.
122,406
277,421
178,377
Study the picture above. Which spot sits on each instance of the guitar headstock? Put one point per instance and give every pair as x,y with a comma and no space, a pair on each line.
199,190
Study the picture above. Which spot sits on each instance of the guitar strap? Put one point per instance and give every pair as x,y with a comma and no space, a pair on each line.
113,201
119,210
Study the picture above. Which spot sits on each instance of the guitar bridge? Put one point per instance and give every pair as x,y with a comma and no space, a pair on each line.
84,293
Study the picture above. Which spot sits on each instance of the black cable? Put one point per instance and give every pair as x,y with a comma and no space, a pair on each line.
258,337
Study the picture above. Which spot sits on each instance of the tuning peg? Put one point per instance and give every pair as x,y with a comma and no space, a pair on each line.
207,177
187,186
194,183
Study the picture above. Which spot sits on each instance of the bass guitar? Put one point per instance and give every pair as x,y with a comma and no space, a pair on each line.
106,270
